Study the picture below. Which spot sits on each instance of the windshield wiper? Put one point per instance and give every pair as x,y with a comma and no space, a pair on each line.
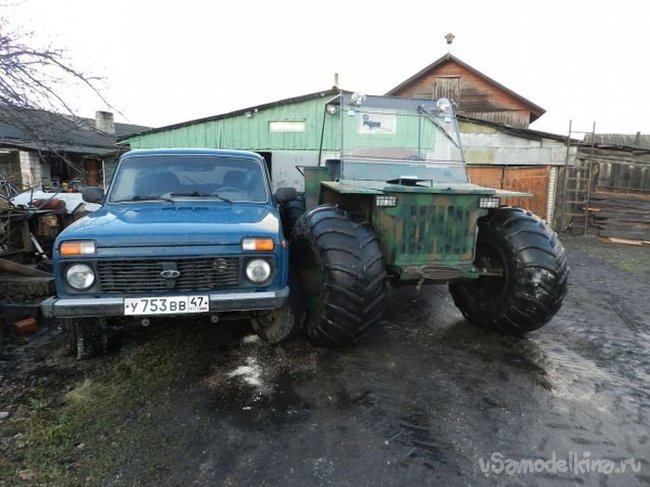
432,119
199,194
146,198
222,198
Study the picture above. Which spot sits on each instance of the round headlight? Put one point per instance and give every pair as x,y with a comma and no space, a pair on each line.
80,276
258,270
358,99
443,104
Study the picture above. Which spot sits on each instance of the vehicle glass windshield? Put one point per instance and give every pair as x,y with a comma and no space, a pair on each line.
176,177
385,138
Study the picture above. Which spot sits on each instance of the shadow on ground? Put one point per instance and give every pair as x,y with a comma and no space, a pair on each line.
426,400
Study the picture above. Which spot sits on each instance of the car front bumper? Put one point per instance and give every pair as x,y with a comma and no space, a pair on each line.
80,307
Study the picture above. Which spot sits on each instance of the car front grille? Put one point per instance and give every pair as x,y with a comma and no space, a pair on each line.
204,274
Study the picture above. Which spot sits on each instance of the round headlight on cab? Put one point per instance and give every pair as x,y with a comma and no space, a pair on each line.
443,104
258,271
80,276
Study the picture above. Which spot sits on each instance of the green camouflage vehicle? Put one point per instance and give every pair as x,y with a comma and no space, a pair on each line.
396,207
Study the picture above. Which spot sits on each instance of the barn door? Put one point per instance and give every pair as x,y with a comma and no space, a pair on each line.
533,179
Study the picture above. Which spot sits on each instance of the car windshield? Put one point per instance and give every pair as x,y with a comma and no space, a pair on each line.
388,138
173,177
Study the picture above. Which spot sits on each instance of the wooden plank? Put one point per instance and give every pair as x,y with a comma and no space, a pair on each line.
623,233
621,216
20,269
619,203
606,216
625,241
599,193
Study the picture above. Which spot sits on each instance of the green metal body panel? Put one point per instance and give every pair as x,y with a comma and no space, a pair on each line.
313,178
381,187
430,232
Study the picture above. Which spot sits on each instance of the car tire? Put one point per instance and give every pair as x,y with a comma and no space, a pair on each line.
534,271
290,212
282,324
342,273
90,337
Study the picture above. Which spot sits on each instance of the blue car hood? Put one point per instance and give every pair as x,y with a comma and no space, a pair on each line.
174,224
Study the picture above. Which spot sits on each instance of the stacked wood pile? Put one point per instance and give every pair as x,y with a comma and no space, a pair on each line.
621,218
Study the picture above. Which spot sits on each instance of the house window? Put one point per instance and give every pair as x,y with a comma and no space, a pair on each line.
287,126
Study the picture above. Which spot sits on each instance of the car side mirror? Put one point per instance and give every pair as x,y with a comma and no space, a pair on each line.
92,194
286,194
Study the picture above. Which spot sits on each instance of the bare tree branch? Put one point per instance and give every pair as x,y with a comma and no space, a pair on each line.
31,80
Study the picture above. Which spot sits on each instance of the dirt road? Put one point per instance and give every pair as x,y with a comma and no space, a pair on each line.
427,400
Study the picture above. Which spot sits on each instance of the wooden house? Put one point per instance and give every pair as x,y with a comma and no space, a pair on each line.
474,93
500,148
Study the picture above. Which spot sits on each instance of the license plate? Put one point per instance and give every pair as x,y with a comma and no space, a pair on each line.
166,305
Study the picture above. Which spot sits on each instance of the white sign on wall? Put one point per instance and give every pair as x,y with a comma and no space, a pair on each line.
377,123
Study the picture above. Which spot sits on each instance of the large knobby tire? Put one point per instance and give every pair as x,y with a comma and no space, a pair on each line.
534,274
88,337
290,212
342,273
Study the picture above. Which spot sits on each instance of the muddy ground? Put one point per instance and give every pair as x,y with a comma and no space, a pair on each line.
427,400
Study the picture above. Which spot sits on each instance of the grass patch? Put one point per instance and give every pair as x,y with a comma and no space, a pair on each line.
82,435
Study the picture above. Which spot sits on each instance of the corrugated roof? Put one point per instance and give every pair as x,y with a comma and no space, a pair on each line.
122,129
538,135
536,110
519,131
638,140
68,148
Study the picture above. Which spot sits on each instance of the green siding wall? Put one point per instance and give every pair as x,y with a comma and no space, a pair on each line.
250,133
239,131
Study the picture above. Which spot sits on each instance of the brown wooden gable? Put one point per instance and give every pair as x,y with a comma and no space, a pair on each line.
474,93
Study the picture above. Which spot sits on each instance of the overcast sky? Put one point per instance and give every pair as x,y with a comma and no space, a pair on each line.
166,62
